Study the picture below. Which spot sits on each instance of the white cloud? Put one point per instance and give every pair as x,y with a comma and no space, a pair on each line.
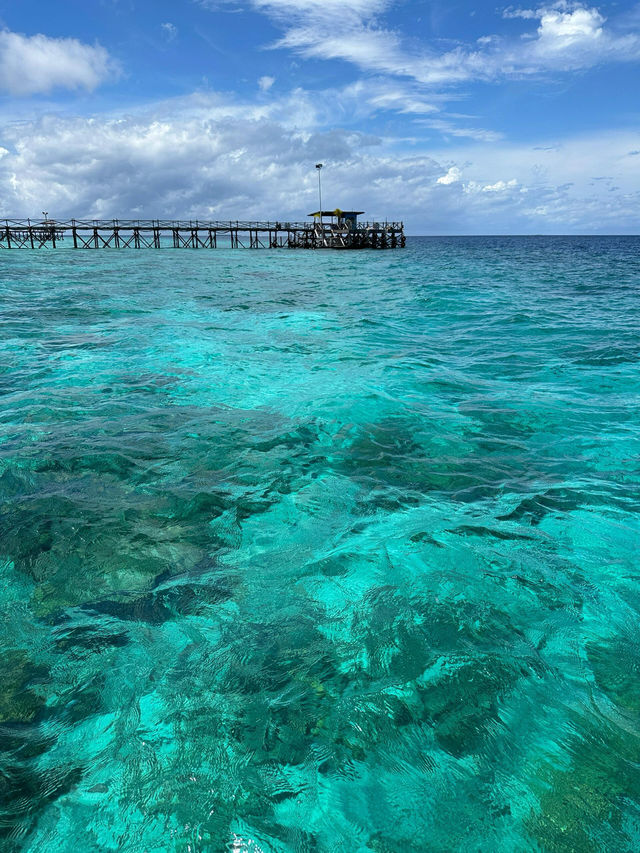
576,39
510,12
38,64
569,37
561,29
374,94
266,82
170,31
453,175
310,29
500,186
448,128
547,188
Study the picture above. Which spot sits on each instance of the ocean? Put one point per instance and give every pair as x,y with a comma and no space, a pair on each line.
321,551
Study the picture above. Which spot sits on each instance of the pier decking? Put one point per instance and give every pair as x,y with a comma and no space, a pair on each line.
196,234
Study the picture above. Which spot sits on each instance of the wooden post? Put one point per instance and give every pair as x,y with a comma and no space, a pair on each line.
8,233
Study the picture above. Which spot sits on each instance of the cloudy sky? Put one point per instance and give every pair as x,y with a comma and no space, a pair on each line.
458,117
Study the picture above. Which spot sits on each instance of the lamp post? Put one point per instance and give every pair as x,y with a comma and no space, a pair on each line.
319,168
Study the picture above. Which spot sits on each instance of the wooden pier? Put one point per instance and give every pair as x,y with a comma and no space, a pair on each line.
339,233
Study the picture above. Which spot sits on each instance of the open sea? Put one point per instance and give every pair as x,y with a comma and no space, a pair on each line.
321,552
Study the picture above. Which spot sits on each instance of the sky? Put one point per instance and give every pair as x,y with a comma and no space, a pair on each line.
456,117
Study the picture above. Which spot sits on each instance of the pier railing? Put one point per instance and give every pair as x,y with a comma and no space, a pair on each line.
182,224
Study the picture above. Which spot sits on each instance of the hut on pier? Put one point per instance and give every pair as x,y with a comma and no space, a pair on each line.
338,217
335,229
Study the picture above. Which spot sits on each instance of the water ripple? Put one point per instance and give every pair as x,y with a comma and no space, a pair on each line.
320,552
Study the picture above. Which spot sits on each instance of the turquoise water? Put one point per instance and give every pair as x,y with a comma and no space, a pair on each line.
315,551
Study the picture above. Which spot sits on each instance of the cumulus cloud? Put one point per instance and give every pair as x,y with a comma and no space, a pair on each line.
37,64
562,29
500,186
453,175
221,164
568,38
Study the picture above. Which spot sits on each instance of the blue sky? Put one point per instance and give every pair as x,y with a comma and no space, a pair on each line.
457,117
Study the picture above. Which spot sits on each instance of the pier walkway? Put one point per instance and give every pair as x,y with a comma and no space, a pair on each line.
196,234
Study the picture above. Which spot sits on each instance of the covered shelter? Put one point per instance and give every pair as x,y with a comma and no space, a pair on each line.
339,217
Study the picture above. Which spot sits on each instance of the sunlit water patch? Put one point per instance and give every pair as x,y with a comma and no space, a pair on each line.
317,552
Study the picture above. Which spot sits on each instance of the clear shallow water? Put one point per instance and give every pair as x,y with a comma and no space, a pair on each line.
306,551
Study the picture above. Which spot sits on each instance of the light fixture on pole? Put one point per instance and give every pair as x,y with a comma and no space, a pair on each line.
319,168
